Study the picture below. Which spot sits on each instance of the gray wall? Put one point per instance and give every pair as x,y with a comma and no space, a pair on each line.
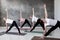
0,14
57,9
25,6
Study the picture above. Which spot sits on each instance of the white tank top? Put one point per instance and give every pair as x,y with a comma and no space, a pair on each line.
34,19
9,21
50,22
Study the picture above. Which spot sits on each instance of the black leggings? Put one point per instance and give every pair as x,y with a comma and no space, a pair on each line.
39,21
53,28
26,21
14,24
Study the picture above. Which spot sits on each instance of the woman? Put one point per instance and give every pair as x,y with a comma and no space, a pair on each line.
13,23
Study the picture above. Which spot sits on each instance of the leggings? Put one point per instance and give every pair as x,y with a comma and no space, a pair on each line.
14,24
39,21
53,28
26,21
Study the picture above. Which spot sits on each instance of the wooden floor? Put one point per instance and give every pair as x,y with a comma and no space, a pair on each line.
46,38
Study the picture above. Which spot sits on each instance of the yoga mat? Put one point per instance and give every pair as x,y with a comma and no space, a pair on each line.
34,31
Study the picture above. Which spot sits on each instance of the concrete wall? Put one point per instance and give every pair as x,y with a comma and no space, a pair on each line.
14,7
57,9
0,14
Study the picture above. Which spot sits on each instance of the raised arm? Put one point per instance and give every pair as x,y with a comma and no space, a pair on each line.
6,13
46,16
20,14
21,19
33,11
32,16
45,10
6,17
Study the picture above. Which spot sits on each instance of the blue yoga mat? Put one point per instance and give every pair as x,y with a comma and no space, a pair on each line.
35,31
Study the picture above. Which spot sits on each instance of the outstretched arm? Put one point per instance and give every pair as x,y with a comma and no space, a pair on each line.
33,11
6,13
46,16
32,16
20,14
6,17
45,10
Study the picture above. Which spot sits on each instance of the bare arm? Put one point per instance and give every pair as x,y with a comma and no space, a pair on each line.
33,11
6,17
32,16
45,10
46,16
20,14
